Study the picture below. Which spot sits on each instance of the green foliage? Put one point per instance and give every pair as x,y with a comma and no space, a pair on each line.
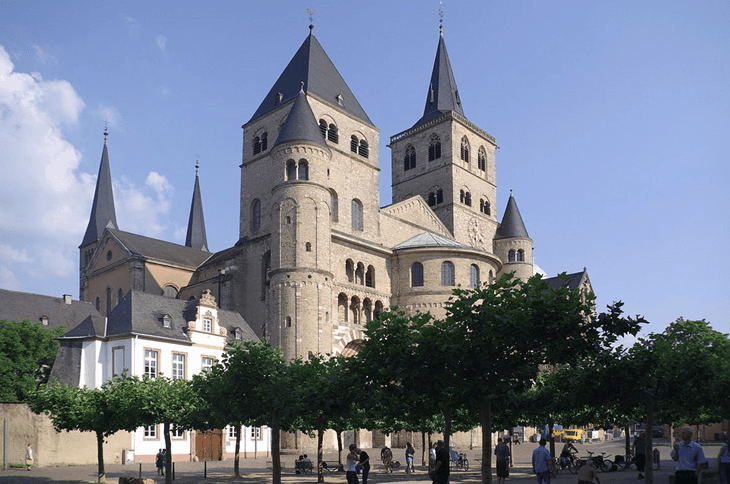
27,352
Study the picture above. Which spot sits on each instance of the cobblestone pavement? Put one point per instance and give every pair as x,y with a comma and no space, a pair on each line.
257,471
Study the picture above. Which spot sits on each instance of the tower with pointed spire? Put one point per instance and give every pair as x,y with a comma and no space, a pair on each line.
448,160
512,244
196,237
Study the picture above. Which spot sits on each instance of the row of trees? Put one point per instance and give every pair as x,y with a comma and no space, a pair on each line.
477,366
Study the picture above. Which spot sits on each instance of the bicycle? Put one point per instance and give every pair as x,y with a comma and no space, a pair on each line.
459,460
600,461
566,463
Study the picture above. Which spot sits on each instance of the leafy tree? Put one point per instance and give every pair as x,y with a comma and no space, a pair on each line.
104,410
27,352
506,330
167,402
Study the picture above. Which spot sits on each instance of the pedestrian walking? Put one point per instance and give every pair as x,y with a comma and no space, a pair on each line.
410,451
365,463
29,457
640,453
502,454
160,462
441,469
689,458
351,463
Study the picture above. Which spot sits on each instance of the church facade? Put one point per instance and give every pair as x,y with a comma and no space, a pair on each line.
317,255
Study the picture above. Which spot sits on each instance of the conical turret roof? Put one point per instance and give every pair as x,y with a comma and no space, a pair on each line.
102,209
312,66
512,225
196,237
443,94
300,124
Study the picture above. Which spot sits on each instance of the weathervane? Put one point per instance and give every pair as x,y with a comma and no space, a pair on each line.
197,164
441,20
310,12
106,132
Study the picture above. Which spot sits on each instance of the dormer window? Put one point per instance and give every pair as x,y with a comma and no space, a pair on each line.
208,325
44,320
340,100
279,97
237,334
166,321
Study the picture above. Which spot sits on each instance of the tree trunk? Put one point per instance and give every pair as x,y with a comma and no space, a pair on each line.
320,448
551,439
649,469
423,448
486,418
168,457
275,443
628,443
447,430
340,467
237,457
100,456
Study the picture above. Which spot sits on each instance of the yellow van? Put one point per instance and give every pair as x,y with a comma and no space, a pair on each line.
573,435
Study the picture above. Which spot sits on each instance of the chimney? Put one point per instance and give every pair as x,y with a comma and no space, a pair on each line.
67,298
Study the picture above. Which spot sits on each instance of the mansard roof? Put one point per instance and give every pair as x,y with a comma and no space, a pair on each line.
148,247
301,125
430,240
102,210
196,237
58,311
512,225
443,94
321,78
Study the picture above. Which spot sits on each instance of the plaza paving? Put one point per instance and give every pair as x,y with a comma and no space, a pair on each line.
256,471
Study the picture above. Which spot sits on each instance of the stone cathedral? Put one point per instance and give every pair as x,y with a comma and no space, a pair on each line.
317,255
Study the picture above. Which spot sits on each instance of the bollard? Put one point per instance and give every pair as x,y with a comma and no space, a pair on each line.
173,471
205,469
140,470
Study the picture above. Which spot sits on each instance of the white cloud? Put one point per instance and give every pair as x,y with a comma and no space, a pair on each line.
43,56
109,115
161,41
137,211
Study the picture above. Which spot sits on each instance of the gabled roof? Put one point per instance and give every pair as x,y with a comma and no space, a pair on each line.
92,326
19,306
301,125
574,281
102,210
429,239
512,225
312,66
196,237
159,249
443,94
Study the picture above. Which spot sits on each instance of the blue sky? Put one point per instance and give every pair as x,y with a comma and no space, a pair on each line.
612,120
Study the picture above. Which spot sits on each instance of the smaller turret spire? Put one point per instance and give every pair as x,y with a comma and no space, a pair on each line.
103,213
512,225
196,237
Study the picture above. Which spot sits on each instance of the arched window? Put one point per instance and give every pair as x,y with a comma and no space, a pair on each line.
363,149
417,274
288,321
439,196
256,214
465,149
256,145
511,256
378,309
461,196
354,143
409,161
265,269
332,134
350,270
342,308
434,147
360,274
264,141
447,273
482,159
97,303
431,199
356,214
323,127
370,277
333,206
170,291
291,170
485,207
308,247
467,199
120,295
303,170
355,309
367,309
108,301
474,275
491,277
521,255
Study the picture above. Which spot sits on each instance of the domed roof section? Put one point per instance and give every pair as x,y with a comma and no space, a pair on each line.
430,240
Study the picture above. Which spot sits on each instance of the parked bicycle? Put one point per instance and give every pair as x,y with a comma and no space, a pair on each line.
601,461
459,460
569,464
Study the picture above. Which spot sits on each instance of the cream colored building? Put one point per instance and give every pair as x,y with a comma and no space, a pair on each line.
318,255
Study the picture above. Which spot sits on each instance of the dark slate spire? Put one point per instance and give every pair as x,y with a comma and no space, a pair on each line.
443,95
102,210
300,124
321,79
512,225
196,237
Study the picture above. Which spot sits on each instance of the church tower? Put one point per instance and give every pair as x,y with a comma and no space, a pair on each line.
196,237
102,215
512,244
310,170
449,161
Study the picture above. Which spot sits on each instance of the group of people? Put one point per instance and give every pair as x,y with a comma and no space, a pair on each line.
357,460
161,462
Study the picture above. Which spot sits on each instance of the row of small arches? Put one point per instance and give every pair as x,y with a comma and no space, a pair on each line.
448,274
437,197
434,152
516,255
351,310
357,274
329,131
356,211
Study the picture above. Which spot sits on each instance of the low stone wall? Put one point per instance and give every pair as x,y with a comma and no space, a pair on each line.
51,448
